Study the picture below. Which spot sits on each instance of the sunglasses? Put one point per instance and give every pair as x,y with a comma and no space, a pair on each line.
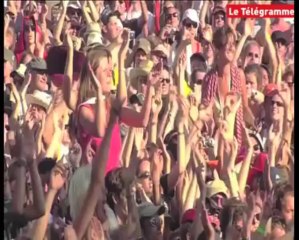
167,80
28,28
144,175
254,55
172,15
198,81
40,72
256,147
279,104
189,24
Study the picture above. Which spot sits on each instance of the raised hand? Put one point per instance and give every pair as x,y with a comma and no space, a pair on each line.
44,10
206,112
58,176
65,3
153,78
248,27
96,82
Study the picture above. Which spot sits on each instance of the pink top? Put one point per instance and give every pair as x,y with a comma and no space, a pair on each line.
84,138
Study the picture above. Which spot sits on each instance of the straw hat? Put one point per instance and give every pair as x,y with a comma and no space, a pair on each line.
143,70
161,49
39,98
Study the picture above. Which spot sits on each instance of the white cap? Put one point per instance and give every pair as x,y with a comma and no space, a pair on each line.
192,15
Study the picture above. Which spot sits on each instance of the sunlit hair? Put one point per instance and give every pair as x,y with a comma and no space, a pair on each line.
93,57
78,188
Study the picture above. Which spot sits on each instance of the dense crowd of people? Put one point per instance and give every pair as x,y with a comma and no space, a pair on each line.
147,120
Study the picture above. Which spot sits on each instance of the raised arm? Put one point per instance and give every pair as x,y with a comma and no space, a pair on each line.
86,15
140,119
57,180
96,187
179,168
122,86
203,13
94,12
59,26
243,175
144,11
156,108
127,147
248,28
70,95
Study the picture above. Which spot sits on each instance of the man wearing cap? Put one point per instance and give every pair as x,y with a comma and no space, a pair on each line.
150,220
140,53
9,62
38,70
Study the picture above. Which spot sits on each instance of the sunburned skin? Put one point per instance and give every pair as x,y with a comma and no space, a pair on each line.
232,104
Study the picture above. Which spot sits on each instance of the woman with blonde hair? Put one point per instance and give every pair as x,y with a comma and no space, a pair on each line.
94,103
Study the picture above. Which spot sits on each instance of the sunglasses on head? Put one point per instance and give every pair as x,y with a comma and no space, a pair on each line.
189,24
254,55
145,175
167,80
172,15
279,104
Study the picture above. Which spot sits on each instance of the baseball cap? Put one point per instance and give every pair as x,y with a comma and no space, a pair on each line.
191,14
9,56
38,64
270,89
284,37
144,45
189,216
215,187
147,209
